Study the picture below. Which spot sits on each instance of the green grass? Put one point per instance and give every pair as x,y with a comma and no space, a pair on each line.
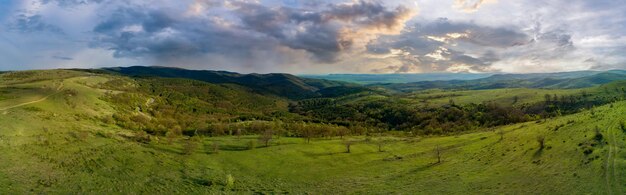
59,146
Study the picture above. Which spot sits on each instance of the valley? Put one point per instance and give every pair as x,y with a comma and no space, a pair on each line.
78,131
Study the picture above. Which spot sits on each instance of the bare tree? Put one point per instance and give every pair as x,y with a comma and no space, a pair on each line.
381,143
216,147
438,154
348,143
266,137
238,133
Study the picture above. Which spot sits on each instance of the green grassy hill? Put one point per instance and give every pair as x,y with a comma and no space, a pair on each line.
56,137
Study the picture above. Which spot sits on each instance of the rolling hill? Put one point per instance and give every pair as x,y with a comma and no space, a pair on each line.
566,80
283,85
66,131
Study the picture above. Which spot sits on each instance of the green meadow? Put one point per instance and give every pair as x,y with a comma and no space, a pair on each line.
53,141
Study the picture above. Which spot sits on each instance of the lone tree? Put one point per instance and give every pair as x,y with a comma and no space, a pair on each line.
438,154
266,137
348,143
238,133
381,143
215,147
542,141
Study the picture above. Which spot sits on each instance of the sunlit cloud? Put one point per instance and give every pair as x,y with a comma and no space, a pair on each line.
447,38
470,6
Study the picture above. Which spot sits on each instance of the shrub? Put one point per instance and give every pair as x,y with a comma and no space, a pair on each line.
141,136
104,134
251,145
381,143
598,136
190,146
79,135
230,181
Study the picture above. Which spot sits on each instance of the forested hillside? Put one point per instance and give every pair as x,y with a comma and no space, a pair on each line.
284,85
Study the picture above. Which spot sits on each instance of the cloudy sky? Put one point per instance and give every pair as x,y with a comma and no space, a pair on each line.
315,36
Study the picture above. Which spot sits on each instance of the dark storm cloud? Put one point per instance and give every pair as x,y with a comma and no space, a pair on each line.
134,32
24,23
69,3
323,33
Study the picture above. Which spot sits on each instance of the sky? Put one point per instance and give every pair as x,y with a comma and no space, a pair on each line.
316,36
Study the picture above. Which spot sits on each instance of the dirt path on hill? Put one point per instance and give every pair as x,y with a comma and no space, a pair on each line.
35,101
610,167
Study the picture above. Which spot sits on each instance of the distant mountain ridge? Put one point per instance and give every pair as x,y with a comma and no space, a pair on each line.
280,84
304,87
563,80
398,78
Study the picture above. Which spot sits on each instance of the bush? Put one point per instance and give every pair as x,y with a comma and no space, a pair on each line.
79,135
190,146
230,181
141,136
598,136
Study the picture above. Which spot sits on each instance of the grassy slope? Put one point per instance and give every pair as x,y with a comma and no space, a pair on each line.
503,96
77,153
